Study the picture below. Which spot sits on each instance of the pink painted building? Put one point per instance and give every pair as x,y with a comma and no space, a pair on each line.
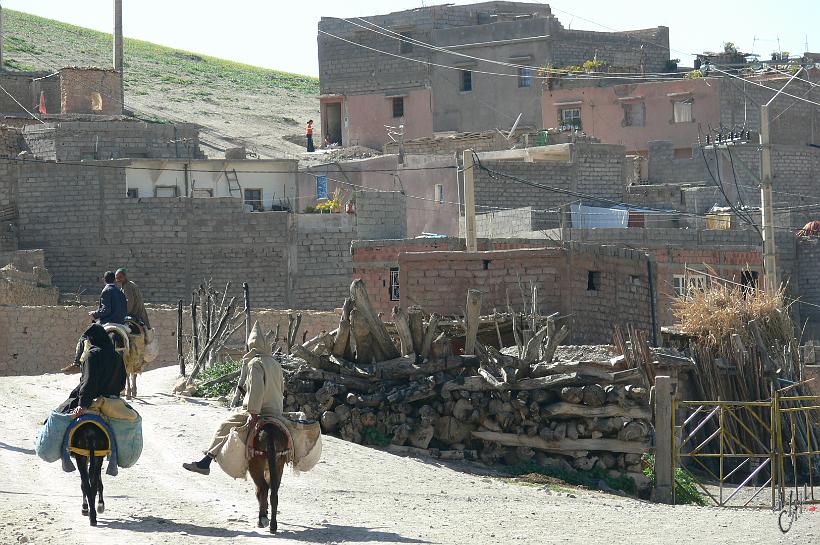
360,120
634,114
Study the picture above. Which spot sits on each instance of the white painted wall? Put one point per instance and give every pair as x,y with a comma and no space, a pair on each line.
275,177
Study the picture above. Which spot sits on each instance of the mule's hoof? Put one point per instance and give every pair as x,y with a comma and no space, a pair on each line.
93,522
100,508
263,521
85,511
273,529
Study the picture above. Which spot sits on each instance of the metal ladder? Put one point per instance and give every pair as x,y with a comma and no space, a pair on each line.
233,183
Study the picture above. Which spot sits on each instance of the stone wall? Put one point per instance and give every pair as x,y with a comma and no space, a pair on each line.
665,168
512,223
87,140
36,340
90,91
595,288
596,170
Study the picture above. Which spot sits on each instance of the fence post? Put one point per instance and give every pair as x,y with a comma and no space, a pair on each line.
664,457
180,355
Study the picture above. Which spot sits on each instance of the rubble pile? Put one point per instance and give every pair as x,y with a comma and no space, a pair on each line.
520,404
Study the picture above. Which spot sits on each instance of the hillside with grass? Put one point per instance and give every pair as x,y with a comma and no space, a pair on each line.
234,103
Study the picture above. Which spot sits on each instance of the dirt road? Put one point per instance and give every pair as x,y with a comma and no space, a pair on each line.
355,495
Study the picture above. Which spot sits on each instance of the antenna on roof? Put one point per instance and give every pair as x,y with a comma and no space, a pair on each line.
515,126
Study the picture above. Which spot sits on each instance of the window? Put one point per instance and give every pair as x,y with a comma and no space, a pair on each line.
394,284
439,194
132,193
202,193
524,76
165,191
678,284
683,153
466,80
634,114
96,102
569,118
593,280
406,44
253,197
748,279
682,111
398,107
696,282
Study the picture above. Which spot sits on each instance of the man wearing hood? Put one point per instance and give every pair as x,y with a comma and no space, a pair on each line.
265,394
103,372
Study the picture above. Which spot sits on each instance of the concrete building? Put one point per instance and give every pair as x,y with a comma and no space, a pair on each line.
457,68
262,184
680,111
635,114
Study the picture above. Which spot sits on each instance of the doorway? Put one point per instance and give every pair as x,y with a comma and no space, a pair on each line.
333,122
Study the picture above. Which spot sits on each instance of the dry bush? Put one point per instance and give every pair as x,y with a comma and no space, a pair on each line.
714,314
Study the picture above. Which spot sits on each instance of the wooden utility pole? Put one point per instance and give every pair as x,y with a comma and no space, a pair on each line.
469,201
664,455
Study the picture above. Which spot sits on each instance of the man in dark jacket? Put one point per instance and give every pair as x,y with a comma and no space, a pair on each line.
103,372
112,310
113,304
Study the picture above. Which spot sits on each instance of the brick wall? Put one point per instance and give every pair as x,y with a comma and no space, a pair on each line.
664,168
26,90
90,91
35,340
84,140
594,169
620,294
808,280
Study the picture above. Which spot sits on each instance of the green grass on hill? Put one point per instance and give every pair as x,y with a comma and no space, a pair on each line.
36,43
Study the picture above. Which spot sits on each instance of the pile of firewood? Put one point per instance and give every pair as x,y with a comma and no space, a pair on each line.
509,405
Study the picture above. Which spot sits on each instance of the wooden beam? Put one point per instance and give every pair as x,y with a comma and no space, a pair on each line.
571,409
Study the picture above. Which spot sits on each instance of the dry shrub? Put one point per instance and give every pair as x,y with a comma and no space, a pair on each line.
714,314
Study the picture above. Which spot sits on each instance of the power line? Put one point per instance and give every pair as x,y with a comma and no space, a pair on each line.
753,82
23,107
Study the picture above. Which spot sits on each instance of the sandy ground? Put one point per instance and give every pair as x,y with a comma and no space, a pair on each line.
355,495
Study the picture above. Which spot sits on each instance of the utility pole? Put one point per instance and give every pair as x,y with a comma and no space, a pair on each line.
118,66
770,280
469,201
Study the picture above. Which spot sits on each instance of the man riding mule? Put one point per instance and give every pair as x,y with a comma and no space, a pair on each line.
255,439
265,395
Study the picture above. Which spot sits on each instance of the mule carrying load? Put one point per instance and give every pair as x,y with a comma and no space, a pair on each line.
138,346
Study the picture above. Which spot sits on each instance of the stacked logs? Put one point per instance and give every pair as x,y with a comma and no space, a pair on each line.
508,406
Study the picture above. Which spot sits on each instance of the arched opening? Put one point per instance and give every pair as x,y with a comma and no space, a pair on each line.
96,102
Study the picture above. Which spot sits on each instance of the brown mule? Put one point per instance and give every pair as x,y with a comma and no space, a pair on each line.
270,452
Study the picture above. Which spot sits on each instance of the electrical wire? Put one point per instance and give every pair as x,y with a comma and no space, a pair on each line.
23,107
753,82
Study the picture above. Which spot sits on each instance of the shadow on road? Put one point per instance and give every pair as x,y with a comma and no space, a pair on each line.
6,446
333,532
152,524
